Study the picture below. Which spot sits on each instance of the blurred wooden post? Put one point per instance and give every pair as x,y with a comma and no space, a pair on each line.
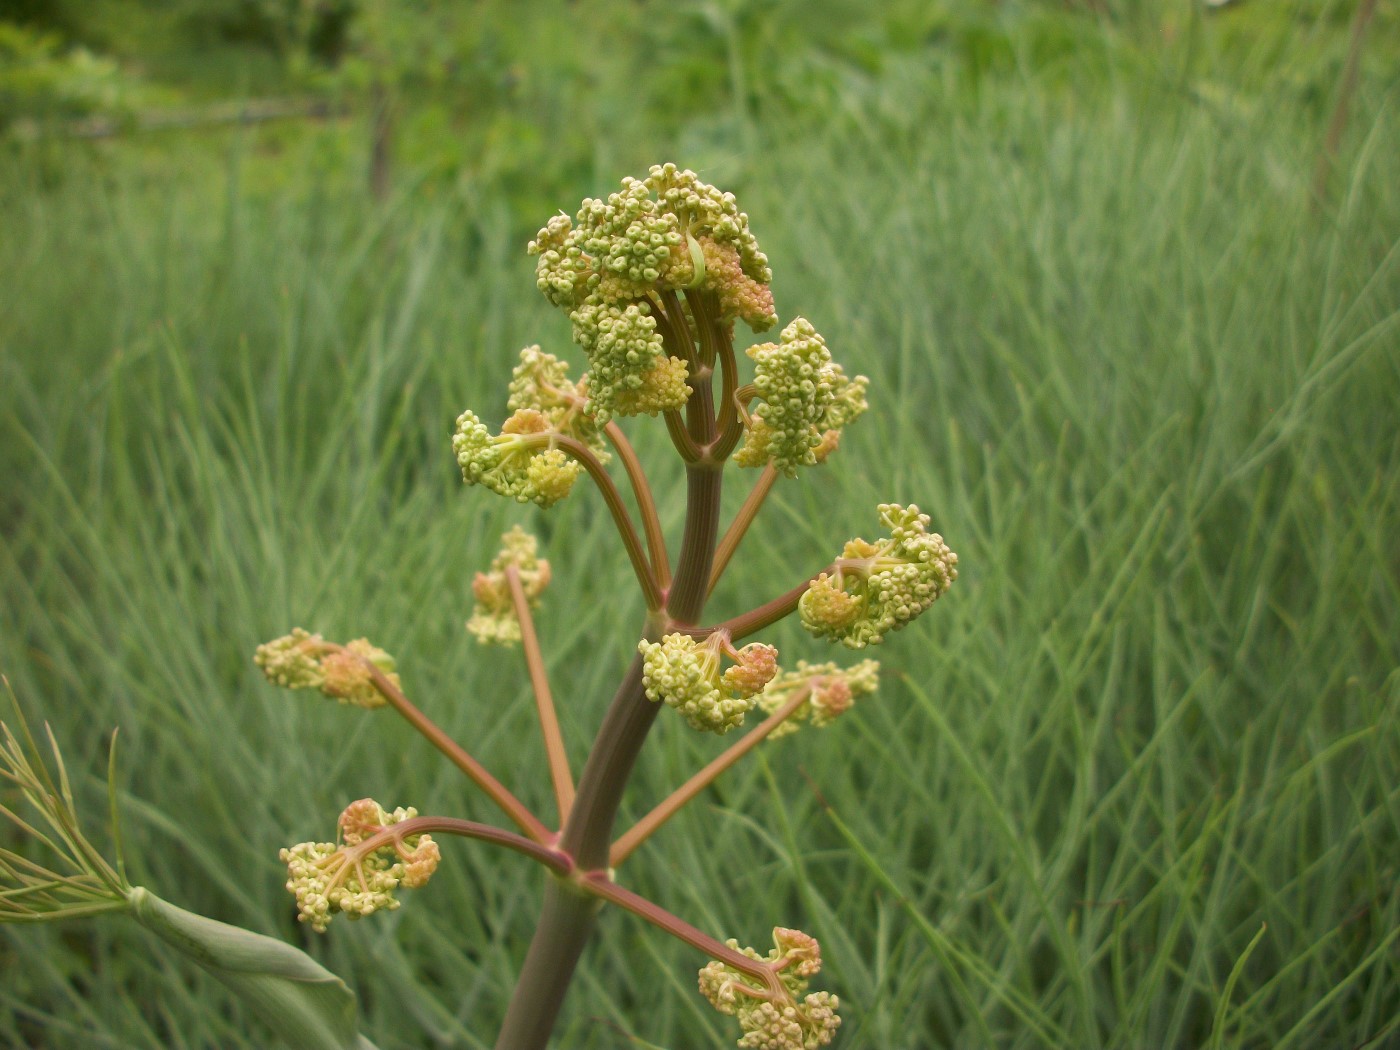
381,146
1345,89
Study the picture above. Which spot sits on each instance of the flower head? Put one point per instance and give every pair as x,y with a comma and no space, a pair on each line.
831,692
879,587
520,462
358,877
686,674
667,232
302,660
493,618
795,1020
806,401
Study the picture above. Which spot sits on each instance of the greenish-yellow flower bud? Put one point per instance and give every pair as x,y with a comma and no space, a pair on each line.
879,587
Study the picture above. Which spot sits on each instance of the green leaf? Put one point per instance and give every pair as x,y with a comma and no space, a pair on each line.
303,1002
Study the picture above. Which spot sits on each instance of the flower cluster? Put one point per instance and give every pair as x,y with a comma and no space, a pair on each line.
807,400
686,675
358,877
801,1020
831,692
667,232
493,617
520,462
879,587
540,381
302,660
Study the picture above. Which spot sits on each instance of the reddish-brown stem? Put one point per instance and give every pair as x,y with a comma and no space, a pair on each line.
598,883
689,451
646,505
765,615
700,409
544,701
555,860
734,535
675,330
456,754
671,324
651,591
730,424
701,308
627,844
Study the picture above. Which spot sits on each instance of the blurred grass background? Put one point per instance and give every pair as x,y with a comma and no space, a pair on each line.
1133,783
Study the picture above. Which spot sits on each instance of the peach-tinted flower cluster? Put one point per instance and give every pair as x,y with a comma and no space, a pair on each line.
879,587
359,876
493,618
800,1020
806,401
831,692
687,675
302,660
665,233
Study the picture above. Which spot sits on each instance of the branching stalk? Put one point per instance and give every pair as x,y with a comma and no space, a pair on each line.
668,807
739,527
457,755
558,758
555,860
651,591
646,505
765,615
599,884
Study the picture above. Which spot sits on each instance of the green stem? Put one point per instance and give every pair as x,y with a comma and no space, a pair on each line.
702,309
566,922
686,599
567,917
625,726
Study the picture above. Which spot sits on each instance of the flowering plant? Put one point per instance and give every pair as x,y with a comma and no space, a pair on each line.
654,279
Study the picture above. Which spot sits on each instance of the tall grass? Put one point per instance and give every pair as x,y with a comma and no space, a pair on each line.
1131,784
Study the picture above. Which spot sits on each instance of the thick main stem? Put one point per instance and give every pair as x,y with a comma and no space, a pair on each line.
566,922
567,919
